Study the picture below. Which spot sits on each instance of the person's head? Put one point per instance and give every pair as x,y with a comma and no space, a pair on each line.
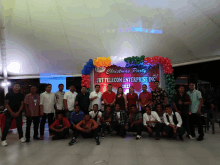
168,109
97,88
108,109
33,89
131,89
16,87
109,87
159,107
133,108
192,86
120,91
48,88
95,107
87,117
117,107
148,110
156,84
72,88
60,116
60,86
144,87
77,108
84,89
181,89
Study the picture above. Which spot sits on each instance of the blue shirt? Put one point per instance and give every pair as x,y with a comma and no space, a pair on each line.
76,118
194,96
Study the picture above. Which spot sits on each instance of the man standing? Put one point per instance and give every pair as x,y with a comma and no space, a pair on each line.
181,105
82,99
32,107
69,101
159,96
95,97
195,108
47,105
145,99
14,102
59,100
109,98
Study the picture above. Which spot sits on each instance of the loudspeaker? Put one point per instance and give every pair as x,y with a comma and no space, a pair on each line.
193,78
41,88
76,81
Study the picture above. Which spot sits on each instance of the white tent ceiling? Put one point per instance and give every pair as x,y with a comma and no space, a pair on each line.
59,36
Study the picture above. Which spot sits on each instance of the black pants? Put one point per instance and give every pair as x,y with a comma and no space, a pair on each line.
136,128
105,126
195,119
169,131
61,135
156,129
43,121
36,121
120,129
8,122
93,133
185,119
112,109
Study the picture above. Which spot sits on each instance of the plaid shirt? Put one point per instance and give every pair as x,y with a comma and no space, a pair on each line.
123,118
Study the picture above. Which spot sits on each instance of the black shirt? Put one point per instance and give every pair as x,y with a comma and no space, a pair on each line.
106,116
83,100
15,100
184,98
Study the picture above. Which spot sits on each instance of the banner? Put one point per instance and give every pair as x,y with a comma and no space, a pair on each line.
126,77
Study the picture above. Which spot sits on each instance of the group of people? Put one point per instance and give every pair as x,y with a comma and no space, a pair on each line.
82,113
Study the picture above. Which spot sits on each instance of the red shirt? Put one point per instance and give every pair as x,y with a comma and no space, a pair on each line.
144,98
132,99
56,123
109,97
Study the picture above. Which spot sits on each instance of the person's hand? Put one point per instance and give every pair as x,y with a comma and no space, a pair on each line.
16,114
89,130
111,104
179,112
42,113
74,126
132,124
98,117
126,127
83,130
95,97
198,112
180,102
12,114
149,130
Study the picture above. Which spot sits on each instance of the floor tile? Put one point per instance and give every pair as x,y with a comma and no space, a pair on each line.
65,160
209,161
123,151
144,160
123,160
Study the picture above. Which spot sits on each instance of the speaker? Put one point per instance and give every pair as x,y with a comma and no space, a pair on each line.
41,88
76,81
193,78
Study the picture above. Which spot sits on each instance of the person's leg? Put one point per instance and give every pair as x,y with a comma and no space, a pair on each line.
168,131
104,126
116,127
180,131
36,121
138,128
122,131
192,122
50,120
28,121
42,124
8,122
157,129
200,126
19,125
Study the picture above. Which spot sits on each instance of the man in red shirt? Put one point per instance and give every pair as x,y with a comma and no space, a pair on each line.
109,98
145,98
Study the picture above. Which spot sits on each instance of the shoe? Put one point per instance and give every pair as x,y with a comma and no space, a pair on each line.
194,135
73,141
157,138
200,138
103,136
109,134
189,136
97,141
138,137
181,138
36,138
41,138
55,138
4,143
27,140
22,140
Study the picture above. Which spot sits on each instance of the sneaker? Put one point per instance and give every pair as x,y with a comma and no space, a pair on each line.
200,138
103,136
189,136
4,143
41,138
73,141
194,135
97,141
138,137
36,138
22,140
27,140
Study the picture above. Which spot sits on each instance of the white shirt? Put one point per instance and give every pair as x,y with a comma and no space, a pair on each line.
153,117
97,100
178,117
48,100
118,115
93,114
71,98
59,100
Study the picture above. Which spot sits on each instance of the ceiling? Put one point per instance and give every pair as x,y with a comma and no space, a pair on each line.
60,36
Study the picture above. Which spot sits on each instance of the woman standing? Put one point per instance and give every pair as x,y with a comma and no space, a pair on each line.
121,99
132,98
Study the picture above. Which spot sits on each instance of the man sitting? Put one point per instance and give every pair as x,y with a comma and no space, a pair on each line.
76,117
135,121
151,122
60,127
173,123
160,113
120,121
88,128
96,115
106,121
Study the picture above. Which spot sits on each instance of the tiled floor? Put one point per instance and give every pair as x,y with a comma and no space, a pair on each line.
112,151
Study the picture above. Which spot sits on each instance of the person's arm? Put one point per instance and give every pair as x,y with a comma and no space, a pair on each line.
114,101
200,102
92,98
179,119
157,118
137,102
125,101
165,98
95,125
77,100
41,104
78,126
188,100
67,124
140,119
20,109
174,105
165,121
52,126
7,106
145,120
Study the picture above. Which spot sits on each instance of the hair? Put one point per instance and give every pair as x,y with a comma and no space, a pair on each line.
48,85
77,106
97,86
168,106
144,85
118,90
158,104
109,84
133,105
147,107
33,86
181,86
118,104
108,106
59,113
96,105
84,87
60,85
16,84
156,81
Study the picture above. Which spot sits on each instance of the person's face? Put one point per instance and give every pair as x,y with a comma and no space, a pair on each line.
117,107
33,89
148,111
156,84
97,88
72,88
120,90
87,117
109,88
159,108
95,108
77,109
48,89
144,88
131,90
181,89
133,109
108,109
61,88
169,111
16,87
191,86
83,90
60,117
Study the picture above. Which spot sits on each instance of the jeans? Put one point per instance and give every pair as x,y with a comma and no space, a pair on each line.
93,133
136,128
185,119
43,121
120,129
156,129
169,131
195,119
36,121
8,122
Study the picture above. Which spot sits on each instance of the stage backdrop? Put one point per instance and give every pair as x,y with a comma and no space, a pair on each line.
126,77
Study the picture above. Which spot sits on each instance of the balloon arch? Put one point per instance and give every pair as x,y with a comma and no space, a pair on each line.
135,62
